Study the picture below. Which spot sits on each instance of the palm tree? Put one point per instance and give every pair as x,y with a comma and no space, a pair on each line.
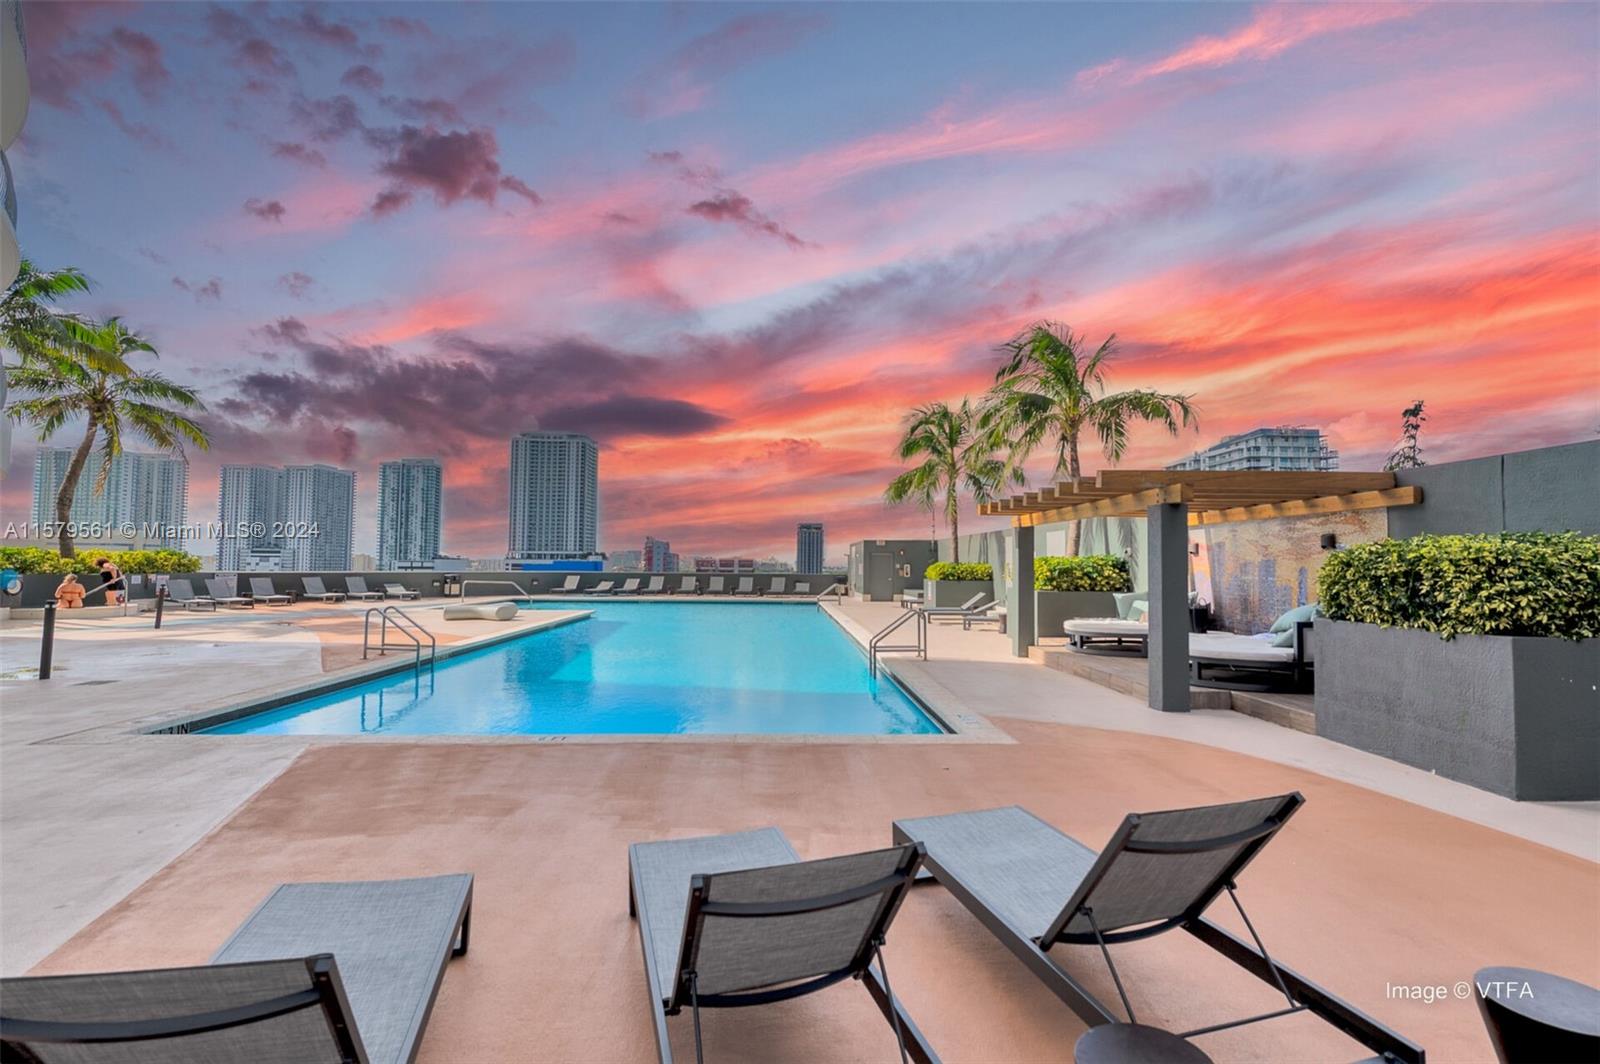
60,387
956,457
1047,392
30,322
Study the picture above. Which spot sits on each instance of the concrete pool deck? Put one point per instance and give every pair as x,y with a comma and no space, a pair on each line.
1370,887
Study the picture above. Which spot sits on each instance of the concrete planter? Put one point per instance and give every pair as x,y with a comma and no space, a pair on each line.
956,592
1516,715
1051,608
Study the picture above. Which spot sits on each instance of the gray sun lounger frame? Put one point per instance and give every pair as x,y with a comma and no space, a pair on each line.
716,585
747,586
656,586
975,604
604,587
690,585
654,868
356,587
400,591
630,586
396,936
181,591
779,586
219,595
571,584
964,855
261,590
320,592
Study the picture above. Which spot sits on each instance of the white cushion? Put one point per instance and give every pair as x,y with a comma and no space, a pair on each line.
1229,647
1104,626
490,611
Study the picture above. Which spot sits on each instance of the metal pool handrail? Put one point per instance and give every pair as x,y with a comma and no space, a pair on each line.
526,596
407,626
876,645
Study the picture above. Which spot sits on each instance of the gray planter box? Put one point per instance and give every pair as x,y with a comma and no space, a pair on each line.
1053,607
1516,715
956,592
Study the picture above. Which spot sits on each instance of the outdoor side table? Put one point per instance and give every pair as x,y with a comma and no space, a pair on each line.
1135,1043
1534,1016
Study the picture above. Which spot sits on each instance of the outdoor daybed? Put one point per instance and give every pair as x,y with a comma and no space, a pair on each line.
1101,634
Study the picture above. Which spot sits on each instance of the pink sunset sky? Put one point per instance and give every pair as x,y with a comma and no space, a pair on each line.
736,243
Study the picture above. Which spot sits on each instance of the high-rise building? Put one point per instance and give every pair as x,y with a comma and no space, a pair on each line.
625,561
250,509
707,564
409,513
319,512
1284,449
808,547
658,556
555,497
145,496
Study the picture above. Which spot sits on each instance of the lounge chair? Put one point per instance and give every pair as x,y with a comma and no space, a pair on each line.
630,586
802,587
315,590
779,586
604,587
356,588
716,585
957,612
731,920
400,591
218,592
747,586
656,586
1100,635
1035,888
333,972
182,592
571,584
690,585
989,613
1249,662
262,591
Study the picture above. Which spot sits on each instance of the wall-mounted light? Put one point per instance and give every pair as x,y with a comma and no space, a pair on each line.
1194,548
1330,541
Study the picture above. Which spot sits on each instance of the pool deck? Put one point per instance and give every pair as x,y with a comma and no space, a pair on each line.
138,851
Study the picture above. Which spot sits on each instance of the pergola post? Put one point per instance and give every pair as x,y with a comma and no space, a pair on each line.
1019,589
1168,569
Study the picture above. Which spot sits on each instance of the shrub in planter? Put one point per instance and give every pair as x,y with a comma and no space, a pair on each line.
1090,572
1513,583
42,560
959,571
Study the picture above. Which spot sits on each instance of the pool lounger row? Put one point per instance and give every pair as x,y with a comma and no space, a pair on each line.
349,971
689,585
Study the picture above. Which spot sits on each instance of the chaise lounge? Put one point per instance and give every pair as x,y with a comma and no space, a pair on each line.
315,589
966,609
179,590
656,586
261,590
747,586
400,591
1035,889
690,585
570,585
734,920
604,587
716,585
219,594
335,972
356,588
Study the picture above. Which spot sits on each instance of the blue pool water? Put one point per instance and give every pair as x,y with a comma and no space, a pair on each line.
634,668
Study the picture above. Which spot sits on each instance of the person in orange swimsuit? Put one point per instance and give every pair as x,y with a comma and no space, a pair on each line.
69,596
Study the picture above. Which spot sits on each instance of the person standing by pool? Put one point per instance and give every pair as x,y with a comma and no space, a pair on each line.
111,580
69,594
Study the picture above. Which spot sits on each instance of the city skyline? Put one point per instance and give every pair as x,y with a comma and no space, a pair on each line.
363,237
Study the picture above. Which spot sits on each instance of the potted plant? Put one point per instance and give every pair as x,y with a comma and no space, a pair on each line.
954,583
1076,586
1473,656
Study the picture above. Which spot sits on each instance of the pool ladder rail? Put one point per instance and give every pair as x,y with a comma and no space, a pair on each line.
876,644
407,626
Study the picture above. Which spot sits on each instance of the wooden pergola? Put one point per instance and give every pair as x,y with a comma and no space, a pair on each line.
1174,500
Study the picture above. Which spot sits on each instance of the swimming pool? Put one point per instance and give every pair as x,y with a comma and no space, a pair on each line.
634,668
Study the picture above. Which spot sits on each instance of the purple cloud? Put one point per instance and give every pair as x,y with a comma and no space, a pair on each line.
327,119
684,80
266,210
67,53
295,283
300,153
362,77
210,292
452,166
728,205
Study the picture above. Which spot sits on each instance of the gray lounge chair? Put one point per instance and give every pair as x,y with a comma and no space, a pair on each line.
356,588
732,920
717,585
261,590
802,587
656,586
400,591
604,587
571,584
988,613
219,593
1035,888
779,586
182,592
316,590
630,586
966,609
747,586
690,585
334,972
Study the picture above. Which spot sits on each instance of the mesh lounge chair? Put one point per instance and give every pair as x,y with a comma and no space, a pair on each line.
747,586
182,592
802,587
604,587
966,609
356,588
400,591
779,586
262,591
570,585
731,920
220,594
656,586
689,586
716,585
316,590
334,972
630,586
1035,888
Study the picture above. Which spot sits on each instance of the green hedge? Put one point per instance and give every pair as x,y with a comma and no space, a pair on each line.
1516,583
41,560
1089,572
960,571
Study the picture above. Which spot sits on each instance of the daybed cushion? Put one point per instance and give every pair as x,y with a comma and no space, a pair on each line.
490,611
1228,647
1104,626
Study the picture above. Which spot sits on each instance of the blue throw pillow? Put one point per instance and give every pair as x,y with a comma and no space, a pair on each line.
1126,599
1287,622
1283,639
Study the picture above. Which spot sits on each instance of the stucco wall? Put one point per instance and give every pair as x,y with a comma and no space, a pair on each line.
1552,489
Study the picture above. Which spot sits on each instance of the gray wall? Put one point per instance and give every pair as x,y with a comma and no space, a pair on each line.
918,554
1553,489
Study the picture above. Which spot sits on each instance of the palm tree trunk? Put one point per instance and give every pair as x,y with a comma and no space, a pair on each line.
1075,537
953,511
69,487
